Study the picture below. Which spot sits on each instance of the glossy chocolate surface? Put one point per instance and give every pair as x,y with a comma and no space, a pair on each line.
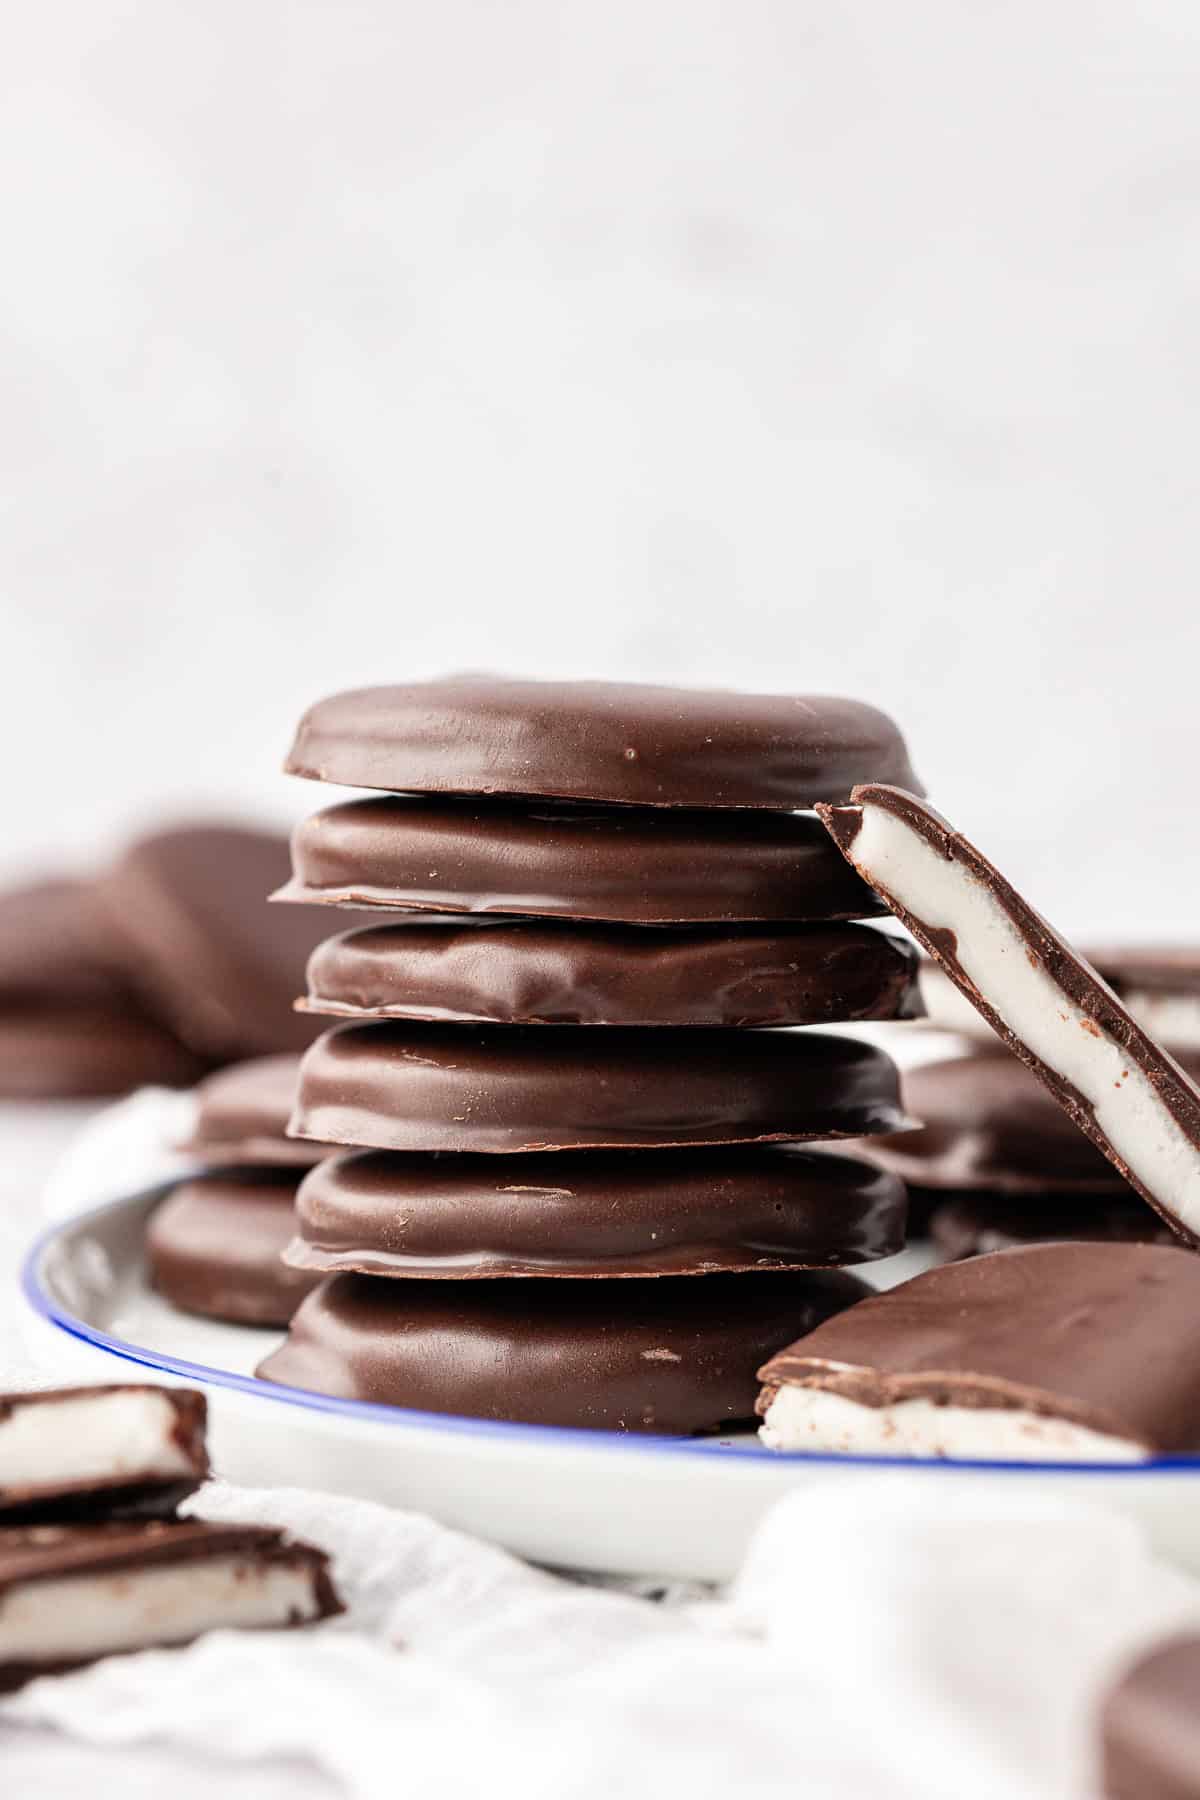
215,1246
633,866
205,951
553,1087
242,1116
1168,1179
618,742
594,1213
1106,1336
544,972
666,1356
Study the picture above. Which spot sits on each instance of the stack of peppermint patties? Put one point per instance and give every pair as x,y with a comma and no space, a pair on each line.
579,1192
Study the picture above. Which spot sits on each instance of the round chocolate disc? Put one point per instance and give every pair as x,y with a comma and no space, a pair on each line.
242,1116
594,1213
522,971
599,740
64,1053
636,867
559,1087
55,948
215,1246
200,944
677,1357
987,1122
974,1224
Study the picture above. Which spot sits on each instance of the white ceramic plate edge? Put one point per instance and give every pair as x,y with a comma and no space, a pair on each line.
600,1501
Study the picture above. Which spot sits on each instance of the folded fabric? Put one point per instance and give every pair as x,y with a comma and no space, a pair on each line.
868,1649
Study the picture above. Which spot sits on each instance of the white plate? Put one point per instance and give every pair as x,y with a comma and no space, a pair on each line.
593,1500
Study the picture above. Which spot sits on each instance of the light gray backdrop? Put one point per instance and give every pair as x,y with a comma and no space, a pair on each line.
842,346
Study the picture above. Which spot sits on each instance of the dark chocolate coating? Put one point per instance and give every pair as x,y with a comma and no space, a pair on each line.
242,1117
1150,1726
46,1553
134,1491
635,866
618,742
557,1087
201,945
215,1247
71,1025
667,1356
1077,981
66,1053
594,1213
1103,1335
989,1123
974,1224
56,949
521,972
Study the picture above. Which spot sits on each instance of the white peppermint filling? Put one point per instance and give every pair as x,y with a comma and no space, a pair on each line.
803,1418
948,1009
946,896
107,1438
132,1609
1174,1019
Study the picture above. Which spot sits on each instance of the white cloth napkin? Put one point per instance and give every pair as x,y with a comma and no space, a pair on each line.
867,1650
870,1648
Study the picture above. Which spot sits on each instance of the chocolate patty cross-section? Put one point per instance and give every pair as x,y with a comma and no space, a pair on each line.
568,1051
94,1559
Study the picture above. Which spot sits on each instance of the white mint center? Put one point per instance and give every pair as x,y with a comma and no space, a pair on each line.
947,896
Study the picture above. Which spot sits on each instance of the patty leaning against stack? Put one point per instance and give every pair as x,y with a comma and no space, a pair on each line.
555,1078
996,1162
1065,1351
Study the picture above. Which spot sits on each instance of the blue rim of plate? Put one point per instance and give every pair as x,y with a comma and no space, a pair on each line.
38,1297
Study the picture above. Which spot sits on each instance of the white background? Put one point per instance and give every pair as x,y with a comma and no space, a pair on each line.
843,346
